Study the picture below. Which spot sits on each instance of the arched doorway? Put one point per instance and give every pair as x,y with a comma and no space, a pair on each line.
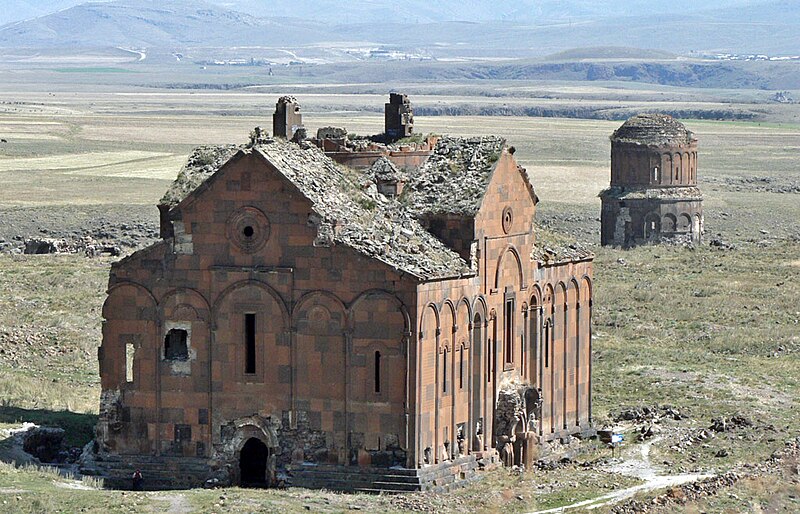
253,464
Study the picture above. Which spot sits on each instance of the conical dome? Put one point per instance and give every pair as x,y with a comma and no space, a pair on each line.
653,129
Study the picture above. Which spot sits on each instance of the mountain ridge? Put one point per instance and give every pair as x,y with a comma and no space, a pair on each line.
771,27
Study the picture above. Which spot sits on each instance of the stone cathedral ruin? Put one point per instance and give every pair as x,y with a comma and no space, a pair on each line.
350,313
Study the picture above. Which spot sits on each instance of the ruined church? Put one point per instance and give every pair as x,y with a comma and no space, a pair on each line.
351,313
653,195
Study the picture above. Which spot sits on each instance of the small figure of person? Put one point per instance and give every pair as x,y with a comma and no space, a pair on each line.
137,480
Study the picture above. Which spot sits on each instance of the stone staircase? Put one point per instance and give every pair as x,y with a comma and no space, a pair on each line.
440,477
158,473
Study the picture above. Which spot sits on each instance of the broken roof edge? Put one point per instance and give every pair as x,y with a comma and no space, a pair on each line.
186,182
551,248
645,193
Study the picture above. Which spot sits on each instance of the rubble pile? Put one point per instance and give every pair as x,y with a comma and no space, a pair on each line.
680,495
454,179
384,170
648,413
17,344
203,162
85,245
363,219
661,193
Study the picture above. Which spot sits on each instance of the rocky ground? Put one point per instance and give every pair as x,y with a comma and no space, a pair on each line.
77,229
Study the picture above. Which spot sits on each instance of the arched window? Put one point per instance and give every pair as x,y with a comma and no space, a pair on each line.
546,341
377,372
176,345
444,371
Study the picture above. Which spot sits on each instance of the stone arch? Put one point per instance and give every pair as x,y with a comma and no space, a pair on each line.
507,275
184,312
129,336
251,335
312,296
677,168
479,307
233,437
193,297
686,168
233,288
428,384
684,223
536,296
447,319
478,385
561,353
652,225
379,322
121,287
319,321
669,223
372,293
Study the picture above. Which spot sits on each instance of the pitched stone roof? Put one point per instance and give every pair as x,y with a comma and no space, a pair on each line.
361,218
346,212
653,129
455,177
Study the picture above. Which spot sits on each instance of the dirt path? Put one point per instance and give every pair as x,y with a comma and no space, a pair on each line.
638,466
178,504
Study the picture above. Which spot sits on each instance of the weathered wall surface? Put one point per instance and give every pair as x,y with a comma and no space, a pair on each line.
321,314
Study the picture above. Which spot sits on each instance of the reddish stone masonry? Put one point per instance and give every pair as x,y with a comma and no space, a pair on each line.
302,323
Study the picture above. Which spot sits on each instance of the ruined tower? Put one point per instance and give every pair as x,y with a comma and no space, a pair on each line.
287,118
653,194
399,117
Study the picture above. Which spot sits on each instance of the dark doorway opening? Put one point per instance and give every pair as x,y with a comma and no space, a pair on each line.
253,464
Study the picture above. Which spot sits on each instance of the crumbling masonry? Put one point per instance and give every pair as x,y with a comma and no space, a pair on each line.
389,320
653,194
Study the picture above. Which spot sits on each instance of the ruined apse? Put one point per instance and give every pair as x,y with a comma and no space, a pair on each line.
345,313
653,195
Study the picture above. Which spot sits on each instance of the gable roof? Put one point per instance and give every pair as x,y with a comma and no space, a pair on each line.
347,213
455,177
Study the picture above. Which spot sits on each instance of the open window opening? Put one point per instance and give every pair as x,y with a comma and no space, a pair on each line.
250,343
461,368
546,341
130,350
377,372
509,332
176,345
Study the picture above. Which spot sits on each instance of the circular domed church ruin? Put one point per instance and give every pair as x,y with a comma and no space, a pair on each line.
653,194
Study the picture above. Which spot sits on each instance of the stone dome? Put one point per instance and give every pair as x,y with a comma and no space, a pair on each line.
653,129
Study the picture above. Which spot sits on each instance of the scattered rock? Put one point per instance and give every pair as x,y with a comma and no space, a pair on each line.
46,444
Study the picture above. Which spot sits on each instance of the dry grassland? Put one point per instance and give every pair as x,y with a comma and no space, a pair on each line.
711,332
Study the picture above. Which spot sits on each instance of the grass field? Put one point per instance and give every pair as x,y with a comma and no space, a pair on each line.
712,332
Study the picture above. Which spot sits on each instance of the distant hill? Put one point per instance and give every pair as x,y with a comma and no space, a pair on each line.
757,27
609,52
335,12
143,23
